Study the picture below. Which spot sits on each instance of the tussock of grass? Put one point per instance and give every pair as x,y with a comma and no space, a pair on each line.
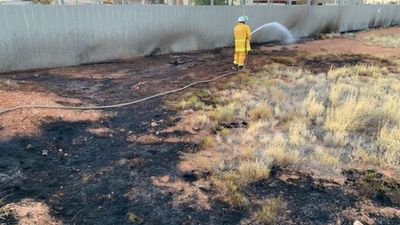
261,112
225,132
351,115
384,40
297,133
339,92
357,70
280,152
337,138
271,211
252,171
203,161
389,140
208,142
362,155
312,105
192,102
229,187
325,158
224,114
201,99
134,218
254,129
247,153
201,121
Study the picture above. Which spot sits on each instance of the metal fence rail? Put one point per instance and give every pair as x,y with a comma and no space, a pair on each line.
201,2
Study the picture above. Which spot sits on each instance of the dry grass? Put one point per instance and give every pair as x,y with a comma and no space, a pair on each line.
278,149
389,140
351,115
338,138
192,102
223,114
208,142
134,218
325,158
228,185
297,133
386,40
253,130
252,171
201,121
302,120
312,105
356,71
261,112
339,92
362,155
271,211
201,99
203,161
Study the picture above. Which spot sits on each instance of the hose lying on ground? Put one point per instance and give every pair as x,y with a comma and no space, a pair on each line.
116,105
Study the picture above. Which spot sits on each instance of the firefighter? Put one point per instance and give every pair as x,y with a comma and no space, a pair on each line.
242,35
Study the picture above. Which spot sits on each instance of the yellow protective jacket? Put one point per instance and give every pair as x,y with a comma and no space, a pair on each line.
242,36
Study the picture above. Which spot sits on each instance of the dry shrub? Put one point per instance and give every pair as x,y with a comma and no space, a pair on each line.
312,105
271,211
261,112
389,140
325,158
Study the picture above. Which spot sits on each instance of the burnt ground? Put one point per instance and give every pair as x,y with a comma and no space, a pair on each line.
109,177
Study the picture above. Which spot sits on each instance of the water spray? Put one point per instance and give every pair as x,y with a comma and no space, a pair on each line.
282,29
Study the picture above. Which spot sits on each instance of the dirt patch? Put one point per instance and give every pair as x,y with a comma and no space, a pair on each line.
29,212
28,121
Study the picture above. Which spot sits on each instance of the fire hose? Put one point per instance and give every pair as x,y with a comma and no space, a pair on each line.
115,105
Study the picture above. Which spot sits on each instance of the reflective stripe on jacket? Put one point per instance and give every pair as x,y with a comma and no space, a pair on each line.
242,36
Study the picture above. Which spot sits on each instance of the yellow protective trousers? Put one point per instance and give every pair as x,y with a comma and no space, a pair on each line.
242,35
239,58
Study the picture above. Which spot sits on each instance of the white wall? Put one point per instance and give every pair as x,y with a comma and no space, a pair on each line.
34,37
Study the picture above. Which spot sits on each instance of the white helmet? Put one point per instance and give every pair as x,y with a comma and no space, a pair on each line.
243,19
